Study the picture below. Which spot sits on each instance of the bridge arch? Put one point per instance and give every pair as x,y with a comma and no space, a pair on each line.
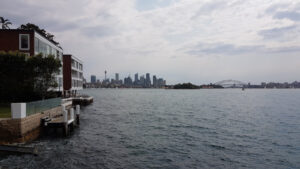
231,83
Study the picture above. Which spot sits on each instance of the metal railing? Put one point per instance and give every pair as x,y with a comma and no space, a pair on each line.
41,105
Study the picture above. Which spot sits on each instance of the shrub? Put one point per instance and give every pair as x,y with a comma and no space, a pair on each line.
26,78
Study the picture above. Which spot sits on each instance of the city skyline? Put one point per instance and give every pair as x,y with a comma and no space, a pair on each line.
137,81
119,75
183,41
152,81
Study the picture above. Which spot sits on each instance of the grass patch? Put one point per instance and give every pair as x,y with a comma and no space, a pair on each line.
5,111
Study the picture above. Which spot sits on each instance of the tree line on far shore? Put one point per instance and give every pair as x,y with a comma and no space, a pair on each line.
192,86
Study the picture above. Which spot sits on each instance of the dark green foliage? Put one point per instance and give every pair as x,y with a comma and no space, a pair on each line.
43,70
26,78
186,86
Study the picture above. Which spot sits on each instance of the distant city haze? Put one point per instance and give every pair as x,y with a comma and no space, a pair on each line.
136,82
182,41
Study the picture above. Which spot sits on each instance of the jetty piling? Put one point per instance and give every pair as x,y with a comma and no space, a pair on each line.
67,121
63,116
77,114
83,100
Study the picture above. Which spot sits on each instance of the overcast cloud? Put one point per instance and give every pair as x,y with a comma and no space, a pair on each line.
179,40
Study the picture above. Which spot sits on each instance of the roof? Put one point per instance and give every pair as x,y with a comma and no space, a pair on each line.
23,30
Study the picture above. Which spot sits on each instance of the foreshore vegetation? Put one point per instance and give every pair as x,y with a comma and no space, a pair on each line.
186,86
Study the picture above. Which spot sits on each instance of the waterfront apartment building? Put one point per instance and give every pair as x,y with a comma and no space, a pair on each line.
31,43
73,74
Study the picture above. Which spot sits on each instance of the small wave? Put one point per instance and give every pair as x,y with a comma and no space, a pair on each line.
217,147
188,126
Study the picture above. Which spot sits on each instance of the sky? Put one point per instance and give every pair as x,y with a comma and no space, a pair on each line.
198,41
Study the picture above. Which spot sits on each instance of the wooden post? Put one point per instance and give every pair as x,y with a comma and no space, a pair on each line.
65,118
63,108
66,129
72,114
77,114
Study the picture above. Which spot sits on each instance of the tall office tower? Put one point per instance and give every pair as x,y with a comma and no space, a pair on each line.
142,81
117,77
136,78
93,79
148,80
128,81
160,82
105,74
154,81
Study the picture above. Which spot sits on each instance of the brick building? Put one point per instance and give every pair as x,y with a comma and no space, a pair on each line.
73,74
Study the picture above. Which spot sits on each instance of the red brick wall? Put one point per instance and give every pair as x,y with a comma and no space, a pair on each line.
67,72
9,40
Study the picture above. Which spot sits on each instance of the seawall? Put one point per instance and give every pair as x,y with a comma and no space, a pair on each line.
25,129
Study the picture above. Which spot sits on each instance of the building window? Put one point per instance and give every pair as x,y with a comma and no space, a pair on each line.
36,45
60,82
48,50
24,41
53,52
57,54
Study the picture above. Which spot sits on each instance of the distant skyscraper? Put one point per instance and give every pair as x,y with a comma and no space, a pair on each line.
161,82
93,79
148,80
128,81
136,78
142,81
154,81
117,77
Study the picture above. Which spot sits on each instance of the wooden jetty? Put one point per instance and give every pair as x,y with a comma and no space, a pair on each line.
67,121
82,100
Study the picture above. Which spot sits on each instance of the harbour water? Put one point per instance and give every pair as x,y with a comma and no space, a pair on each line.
157,128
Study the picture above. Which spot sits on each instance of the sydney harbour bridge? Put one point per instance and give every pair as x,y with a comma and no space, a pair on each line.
231,84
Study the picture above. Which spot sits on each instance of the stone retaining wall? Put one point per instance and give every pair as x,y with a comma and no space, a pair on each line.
25,129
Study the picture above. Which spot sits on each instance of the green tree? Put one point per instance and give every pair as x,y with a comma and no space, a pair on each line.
4,23
31,26
43,70
186,86
26,78
13,86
